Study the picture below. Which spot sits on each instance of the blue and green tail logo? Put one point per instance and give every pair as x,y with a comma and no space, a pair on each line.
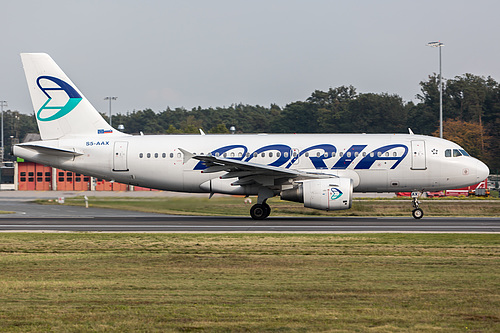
335,193
74,98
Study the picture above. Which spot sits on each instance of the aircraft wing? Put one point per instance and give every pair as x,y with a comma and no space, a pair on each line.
250,173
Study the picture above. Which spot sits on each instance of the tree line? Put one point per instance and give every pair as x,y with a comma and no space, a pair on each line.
471,107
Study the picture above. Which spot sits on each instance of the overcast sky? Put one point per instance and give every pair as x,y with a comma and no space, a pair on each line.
154,54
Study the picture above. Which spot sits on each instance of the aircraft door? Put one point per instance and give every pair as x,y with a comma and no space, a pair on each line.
418,155
120,156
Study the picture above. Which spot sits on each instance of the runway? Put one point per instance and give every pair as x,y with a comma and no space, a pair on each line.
32,217
245,224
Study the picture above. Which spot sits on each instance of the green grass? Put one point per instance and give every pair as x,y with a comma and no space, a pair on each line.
249,282
235,206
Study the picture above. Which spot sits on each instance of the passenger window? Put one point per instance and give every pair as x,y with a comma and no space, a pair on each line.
394,154
386,153
263,154
285,154
278,154
240,154
379,154
456,153
341,154
333,154
447,153
307,154
254,154
318,154
148,155
294,154
217,154
326,154
225,155
156,155
364,153
270,154
171,155
348,154
232,154
372,154
356,154
163,155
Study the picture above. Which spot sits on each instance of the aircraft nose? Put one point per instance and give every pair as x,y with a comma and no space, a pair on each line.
482,171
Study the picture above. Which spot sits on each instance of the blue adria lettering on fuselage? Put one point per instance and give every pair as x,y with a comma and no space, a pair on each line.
326,151
376,155
317,161
73,95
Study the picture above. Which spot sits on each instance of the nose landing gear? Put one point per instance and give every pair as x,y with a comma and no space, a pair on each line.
417,212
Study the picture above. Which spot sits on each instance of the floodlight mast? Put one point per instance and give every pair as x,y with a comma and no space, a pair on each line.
439,45
110,98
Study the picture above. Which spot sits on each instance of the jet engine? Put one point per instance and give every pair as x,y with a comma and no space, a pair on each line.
325,194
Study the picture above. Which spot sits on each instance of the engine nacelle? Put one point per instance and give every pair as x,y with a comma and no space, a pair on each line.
324,194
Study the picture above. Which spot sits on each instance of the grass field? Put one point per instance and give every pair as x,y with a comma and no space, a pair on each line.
234,206
82,282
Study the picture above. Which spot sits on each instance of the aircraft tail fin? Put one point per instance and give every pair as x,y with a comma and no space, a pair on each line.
60,108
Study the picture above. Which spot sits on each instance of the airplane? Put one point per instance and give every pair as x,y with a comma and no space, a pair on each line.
319,170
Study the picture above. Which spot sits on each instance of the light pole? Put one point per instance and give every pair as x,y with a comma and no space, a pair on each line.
110,98
439,45
2,104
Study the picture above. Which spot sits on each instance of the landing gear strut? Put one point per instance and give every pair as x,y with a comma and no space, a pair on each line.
417,212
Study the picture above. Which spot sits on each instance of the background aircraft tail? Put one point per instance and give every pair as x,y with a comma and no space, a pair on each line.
60,108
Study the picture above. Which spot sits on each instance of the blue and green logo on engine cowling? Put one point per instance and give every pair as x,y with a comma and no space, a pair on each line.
335,193
61,110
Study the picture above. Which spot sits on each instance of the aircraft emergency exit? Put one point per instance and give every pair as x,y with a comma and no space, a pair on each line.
319,170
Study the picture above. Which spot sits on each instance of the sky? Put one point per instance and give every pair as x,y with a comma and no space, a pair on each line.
161,53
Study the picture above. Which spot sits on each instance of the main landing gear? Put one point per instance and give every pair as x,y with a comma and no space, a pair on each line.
417,212
261,209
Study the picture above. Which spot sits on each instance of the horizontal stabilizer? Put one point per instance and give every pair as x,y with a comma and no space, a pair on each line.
50,150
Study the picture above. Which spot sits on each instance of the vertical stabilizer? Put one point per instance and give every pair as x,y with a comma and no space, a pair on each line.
60,108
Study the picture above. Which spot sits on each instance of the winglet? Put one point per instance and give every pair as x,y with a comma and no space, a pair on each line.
187,155
411,132
201,131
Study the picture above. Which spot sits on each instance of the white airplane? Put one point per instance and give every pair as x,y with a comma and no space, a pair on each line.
319,170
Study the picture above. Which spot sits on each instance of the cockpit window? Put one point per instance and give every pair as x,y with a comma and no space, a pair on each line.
456,153
447,153
464,152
